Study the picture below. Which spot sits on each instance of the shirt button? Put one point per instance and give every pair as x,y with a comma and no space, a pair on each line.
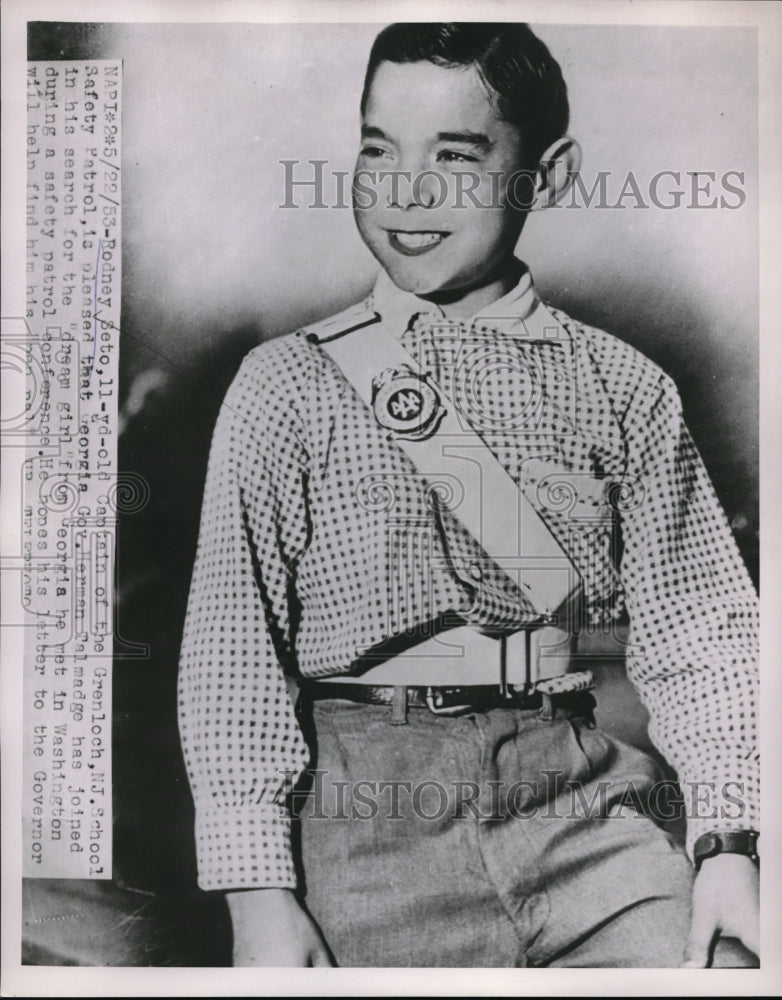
476,572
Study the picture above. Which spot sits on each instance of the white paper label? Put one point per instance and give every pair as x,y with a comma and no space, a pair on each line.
71,491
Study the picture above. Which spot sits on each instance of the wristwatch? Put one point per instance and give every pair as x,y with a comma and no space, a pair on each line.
727,842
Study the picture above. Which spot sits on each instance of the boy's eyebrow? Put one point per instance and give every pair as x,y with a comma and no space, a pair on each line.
372,132
469,138
479,139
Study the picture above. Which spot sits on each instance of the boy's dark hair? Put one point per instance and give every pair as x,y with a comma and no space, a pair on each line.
515,65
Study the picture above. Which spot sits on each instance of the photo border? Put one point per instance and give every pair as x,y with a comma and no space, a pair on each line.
18,980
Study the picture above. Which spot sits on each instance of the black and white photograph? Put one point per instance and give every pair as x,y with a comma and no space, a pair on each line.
385,405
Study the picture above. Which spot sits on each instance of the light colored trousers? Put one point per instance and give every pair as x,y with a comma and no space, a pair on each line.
471,842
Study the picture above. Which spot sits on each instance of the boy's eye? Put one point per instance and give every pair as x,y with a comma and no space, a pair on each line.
373,152
454,156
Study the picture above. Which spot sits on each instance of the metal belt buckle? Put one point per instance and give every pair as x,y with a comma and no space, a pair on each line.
434,702
567,684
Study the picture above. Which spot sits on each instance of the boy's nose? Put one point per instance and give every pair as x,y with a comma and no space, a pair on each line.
419,188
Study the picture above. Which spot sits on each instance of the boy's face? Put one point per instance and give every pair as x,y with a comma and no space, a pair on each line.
437,234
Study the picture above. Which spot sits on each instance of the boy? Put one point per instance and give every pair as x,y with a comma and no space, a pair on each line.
358,536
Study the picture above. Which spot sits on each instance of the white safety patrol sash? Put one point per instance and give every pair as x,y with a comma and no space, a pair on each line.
424,423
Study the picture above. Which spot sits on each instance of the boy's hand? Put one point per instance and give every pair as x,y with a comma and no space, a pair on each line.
271,928
725,902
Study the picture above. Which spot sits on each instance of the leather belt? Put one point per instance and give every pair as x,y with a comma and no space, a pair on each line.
464,657
568,693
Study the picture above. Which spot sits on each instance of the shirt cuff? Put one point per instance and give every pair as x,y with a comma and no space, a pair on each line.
244,848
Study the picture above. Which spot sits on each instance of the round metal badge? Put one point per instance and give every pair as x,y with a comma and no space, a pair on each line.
406,403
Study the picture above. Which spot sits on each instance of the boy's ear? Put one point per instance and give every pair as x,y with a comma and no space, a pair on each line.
555,172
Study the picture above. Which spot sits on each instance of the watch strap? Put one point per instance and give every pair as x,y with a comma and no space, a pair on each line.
726,842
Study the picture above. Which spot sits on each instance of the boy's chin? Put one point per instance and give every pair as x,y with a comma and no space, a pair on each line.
420,288
418,284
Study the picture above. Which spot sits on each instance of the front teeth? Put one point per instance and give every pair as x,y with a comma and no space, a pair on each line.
416,240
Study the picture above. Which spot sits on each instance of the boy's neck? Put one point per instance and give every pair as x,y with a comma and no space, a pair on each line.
461,304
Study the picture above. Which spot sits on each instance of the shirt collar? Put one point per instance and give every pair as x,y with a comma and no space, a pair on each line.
397,307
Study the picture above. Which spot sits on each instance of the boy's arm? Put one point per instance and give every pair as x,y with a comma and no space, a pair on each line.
693,611
237,724
695,660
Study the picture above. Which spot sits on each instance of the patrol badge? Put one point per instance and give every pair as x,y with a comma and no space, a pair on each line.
406,403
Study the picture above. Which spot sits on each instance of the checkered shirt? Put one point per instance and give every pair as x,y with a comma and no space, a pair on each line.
298,572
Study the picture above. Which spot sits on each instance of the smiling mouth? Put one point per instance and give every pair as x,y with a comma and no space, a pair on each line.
413,243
